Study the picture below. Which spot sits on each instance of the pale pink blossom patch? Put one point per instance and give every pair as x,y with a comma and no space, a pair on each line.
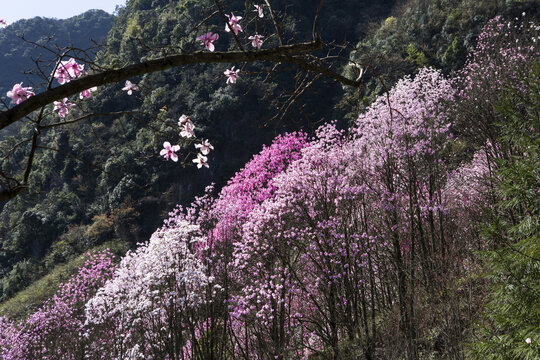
63,107
208,40
233,24
256,40
87,93
259,10
19,93
183,120
188,129
130,87
232,75
205,147
201,161
169,152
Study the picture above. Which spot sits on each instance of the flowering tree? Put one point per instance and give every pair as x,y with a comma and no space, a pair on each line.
57,330
505,52
151,309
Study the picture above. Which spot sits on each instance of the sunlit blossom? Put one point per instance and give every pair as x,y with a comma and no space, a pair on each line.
19,93
67,70
256,40
233,23
183,120
259,10
63,107
130,87
204,147
208,40
201,161
188,129
232,75
87,93
169,152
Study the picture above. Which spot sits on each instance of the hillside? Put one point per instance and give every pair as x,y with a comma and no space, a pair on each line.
101,206
395,221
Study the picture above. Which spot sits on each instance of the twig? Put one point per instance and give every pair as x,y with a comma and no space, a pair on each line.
278,29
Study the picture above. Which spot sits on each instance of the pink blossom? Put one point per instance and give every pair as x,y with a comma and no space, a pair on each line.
205,147
87,93
231,75
62,75
56,330
232,23
75,69
130,87
3,22
183,120
208,40
259,10
187,129
169,151
201,161
19,93
63,107
68,70
256,40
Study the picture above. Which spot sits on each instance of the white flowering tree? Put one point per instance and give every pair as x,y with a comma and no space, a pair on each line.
152,308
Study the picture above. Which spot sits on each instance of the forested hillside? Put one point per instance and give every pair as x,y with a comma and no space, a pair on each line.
74,206
397,220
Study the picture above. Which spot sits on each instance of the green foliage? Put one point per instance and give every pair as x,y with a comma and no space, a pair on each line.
416,56
512,314
438,33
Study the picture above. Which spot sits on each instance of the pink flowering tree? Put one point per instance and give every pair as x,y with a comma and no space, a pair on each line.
57,329
505,52
356,209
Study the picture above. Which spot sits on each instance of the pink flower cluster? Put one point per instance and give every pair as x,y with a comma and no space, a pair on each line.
207,40
19,93
63,107
68,70
65,71
188,131
57,329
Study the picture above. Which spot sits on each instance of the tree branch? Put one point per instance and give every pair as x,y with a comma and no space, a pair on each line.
9,194
111,76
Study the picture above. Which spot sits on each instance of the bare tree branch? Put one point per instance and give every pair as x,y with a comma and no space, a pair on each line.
314,31
278,29
9,194
279,54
